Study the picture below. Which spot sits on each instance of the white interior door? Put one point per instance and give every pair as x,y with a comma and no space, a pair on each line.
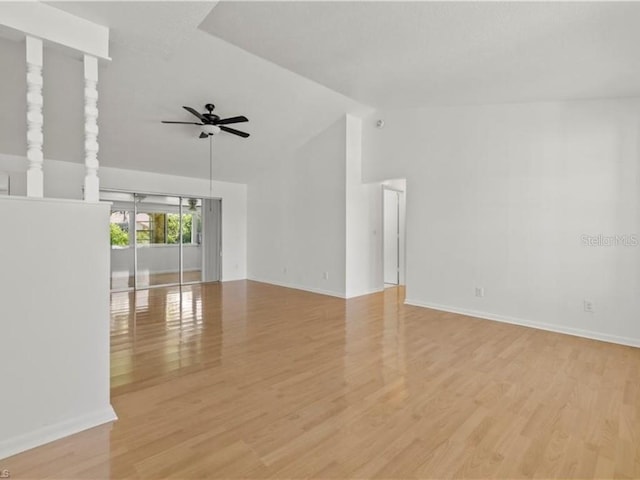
391,220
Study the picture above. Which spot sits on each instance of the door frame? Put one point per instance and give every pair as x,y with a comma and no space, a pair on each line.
400,235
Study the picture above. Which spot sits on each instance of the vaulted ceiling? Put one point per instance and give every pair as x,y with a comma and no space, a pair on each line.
294,67
411,54
162,61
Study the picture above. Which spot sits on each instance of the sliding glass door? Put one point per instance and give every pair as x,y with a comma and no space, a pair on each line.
191,212
121,230
157,240
163,240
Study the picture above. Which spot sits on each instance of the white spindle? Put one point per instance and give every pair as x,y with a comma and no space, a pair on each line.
91,181
35,138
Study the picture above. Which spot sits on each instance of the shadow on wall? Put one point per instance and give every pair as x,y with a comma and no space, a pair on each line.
5,183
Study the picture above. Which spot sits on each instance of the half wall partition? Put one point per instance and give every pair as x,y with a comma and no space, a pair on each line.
159,240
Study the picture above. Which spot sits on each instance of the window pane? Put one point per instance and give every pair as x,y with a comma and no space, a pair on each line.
191,239
144,224
119,228
122,231
157,233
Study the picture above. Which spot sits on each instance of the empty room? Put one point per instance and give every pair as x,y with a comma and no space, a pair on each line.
319,239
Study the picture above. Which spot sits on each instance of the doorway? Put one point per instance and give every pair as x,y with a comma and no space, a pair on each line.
160,240
393,214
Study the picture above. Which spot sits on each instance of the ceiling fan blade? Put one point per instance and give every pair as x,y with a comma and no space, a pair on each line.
194,112
226,121
183,123
234,131
203,135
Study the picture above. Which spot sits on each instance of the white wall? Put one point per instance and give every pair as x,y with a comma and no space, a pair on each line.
297,216
65,180
54,355
310,214
499,198
364,220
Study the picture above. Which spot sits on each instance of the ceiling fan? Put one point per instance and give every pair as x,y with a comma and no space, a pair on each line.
212,123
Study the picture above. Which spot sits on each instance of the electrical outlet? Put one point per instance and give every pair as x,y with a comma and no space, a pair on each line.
284,270
479,291
588,306
325,275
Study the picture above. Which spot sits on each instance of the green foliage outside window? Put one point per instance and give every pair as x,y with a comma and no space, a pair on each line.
143,237
118,236
159,228
173,227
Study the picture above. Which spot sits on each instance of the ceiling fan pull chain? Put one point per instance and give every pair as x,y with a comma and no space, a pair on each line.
210,169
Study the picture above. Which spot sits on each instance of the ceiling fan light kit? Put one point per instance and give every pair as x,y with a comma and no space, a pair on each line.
209,129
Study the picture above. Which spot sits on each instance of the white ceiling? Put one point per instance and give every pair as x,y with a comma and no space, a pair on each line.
385,54
161,61
409,54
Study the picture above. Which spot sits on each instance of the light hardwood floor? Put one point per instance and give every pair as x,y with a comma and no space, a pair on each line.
247,380
119,283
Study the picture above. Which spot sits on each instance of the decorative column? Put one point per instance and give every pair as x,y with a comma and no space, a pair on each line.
91,181
35,138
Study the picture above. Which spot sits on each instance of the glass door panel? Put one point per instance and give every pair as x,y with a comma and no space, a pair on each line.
157,233
121,239
191,240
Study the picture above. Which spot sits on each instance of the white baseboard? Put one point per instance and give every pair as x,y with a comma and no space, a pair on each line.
27,441
232,278
577,332
298,287
366,292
